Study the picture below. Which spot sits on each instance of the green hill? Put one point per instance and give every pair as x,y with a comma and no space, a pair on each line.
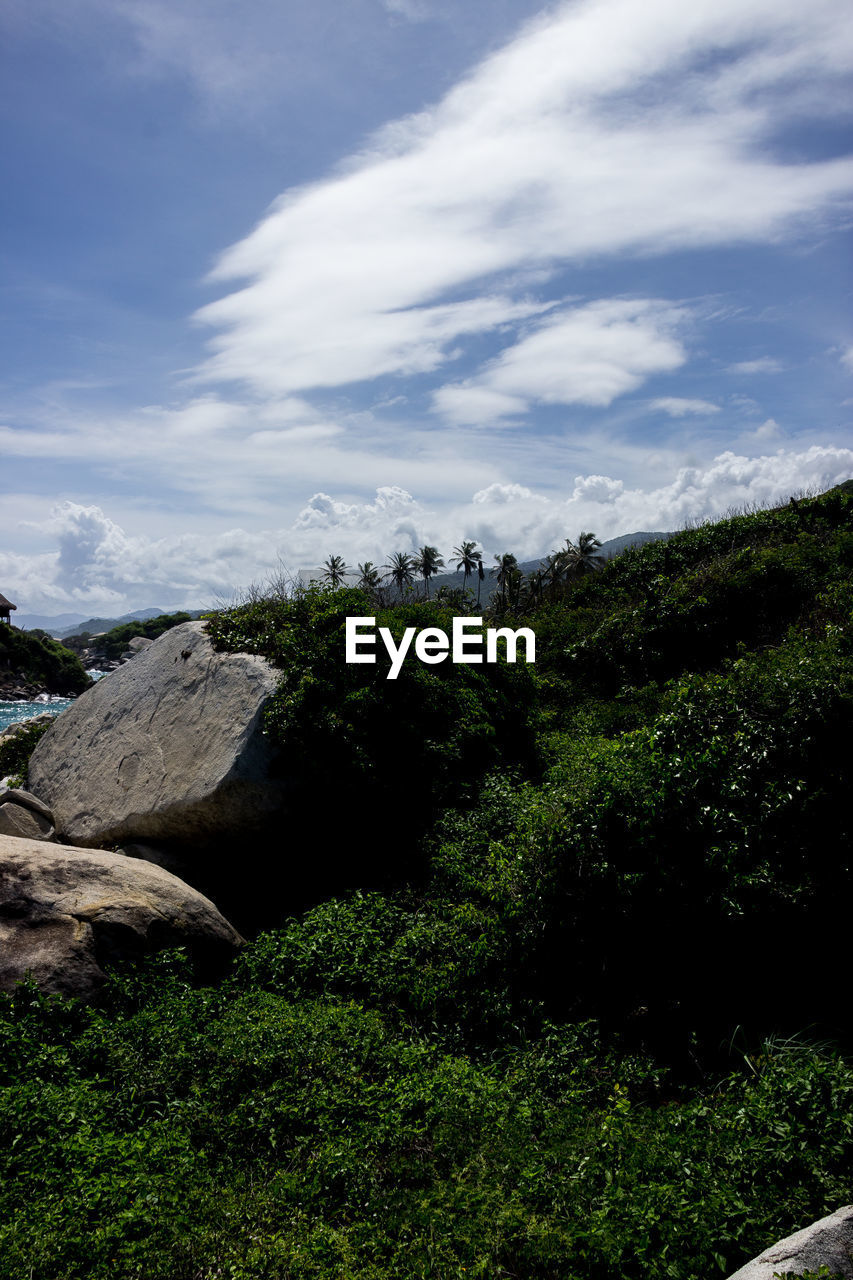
562,996
35,660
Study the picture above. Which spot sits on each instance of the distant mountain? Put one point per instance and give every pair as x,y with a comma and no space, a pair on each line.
71,624
47,622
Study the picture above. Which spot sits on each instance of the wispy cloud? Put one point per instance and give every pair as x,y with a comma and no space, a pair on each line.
679,406
606,128
765,364
589,355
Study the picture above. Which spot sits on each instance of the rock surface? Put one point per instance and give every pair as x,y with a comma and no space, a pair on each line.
168,748
828,1242
136,645
65,913
23,814
21,821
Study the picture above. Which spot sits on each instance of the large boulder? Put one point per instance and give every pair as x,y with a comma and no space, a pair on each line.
167,749
826,1243
66,913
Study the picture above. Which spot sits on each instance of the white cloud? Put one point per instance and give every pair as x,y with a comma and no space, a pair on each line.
501,494
606,127
596,489
768,430
678,406
589,355
847,358
97,566
534,525
766,364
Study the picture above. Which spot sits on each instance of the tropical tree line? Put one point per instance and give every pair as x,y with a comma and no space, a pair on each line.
515,592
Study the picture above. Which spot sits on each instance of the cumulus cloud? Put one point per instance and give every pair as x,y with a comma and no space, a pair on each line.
530,526
97,566
606,127
679,406
600,489
847,358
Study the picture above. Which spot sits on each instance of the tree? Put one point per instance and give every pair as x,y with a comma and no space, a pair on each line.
427,564
586,559
468,559
368,577
401,570
506,563
335,570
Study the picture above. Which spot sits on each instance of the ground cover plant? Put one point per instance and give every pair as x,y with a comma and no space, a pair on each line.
576,1021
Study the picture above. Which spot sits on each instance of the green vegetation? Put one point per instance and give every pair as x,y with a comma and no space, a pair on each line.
15,752
575,1014
113,644
177,1134
33,657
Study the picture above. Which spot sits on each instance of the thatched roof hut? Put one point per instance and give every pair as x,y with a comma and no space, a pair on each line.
6,608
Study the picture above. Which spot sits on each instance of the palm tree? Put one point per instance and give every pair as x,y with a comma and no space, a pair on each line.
558,565
368,577
585,558
506,563
401,570
427,563
334,570
468,560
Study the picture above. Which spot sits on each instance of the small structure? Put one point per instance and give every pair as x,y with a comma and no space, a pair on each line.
6,608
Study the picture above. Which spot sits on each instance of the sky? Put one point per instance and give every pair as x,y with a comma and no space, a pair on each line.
281,282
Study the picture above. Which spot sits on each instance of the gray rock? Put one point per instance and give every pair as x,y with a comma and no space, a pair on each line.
828,1242
135,646
168,749
26,798
67,913
21,822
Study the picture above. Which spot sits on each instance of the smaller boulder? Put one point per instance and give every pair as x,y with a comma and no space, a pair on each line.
135,646
17,795
66,914
826,1243
17,820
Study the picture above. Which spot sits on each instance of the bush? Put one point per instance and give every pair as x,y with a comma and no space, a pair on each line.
15,752
377,758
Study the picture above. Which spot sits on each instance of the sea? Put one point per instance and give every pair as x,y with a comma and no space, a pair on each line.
12,712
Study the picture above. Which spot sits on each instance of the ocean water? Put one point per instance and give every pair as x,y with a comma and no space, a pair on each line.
11,712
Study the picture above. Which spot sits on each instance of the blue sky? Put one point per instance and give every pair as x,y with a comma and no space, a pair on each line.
284,281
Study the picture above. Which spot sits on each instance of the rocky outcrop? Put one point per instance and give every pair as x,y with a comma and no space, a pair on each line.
23,814
827,1243
168,749
66,914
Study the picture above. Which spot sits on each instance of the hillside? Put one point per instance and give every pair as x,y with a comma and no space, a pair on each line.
557,994
31,664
